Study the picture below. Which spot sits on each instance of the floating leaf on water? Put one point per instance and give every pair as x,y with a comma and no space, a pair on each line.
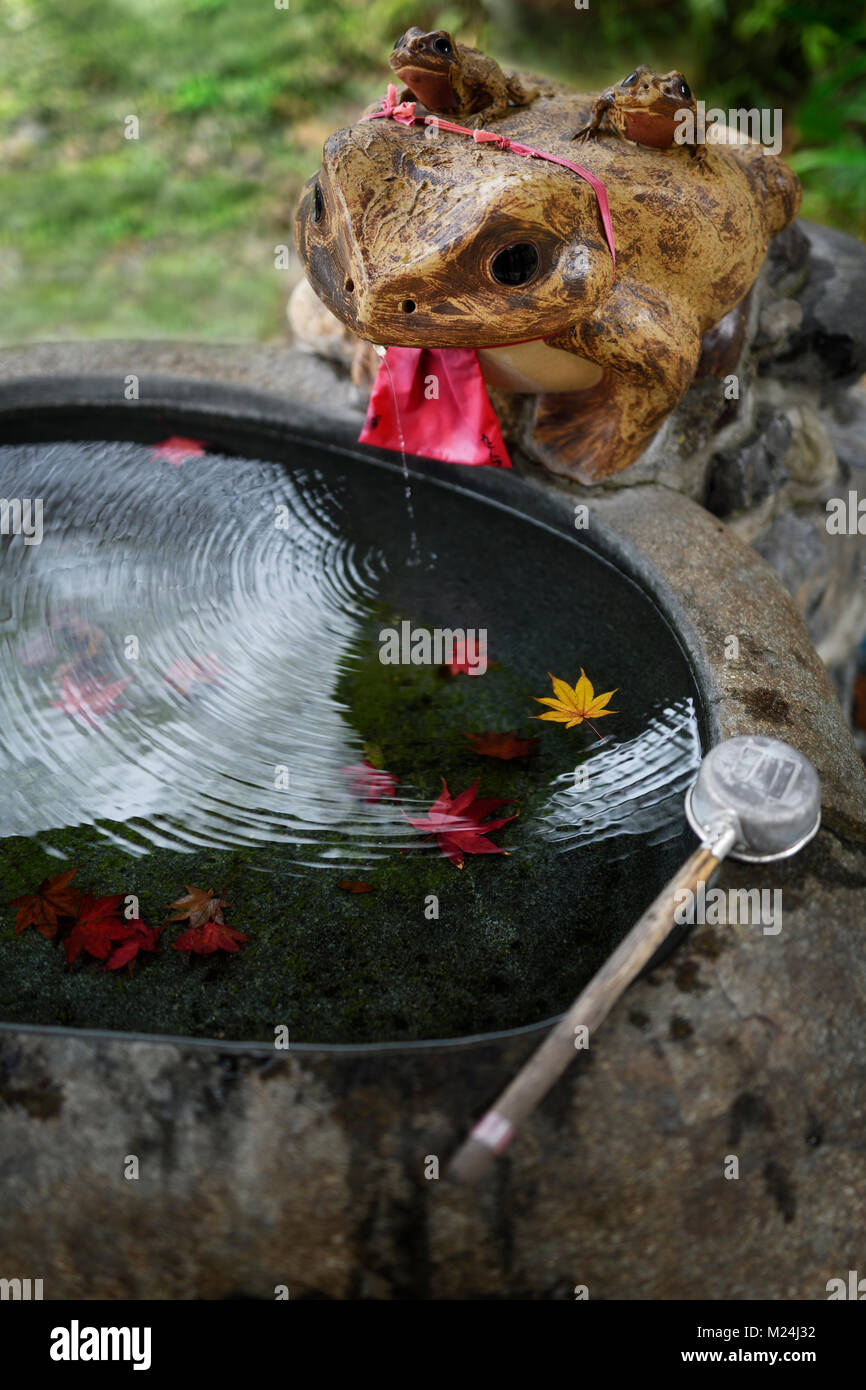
458,823
504,746
574,705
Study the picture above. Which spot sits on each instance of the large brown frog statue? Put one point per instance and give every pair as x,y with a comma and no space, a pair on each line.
418,236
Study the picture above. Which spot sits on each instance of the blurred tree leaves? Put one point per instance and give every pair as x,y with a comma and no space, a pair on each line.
174,233
806,57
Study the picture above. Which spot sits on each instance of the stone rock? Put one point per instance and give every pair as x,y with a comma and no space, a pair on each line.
830,344
778,321
787,263
811,458
846,426
821,572
742,477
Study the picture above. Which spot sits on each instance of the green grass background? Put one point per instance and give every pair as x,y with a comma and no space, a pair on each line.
173,234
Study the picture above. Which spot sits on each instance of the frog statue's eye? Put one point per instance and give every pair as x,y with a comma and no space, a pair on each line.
318,203
682,89
441,45
630,80
515,265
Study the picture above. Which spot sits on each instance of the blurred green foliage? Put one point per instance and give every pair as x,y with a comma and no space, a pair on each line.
174,233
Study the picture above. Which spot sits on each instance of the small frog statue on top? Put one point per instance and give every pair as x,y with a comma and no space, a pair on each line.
452,79
643,108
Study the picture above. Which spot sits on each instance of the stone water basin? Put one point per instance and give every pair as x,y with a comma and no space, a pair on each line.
311,1167
195,694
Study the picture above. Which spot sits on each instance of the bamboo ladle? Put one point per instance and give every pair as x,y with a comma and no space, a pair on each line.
755,799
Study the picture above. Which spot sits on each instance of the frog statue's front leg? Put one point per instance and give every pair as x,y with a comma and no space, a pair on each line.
648,349
600,108
479,120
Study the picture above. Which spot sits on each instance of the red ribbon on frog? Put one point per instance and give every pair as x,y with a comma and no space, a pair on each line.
404,113
462,426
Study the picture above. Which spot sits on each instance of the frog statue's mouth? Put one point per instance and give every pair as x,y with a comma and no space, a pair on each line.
432,89
410,244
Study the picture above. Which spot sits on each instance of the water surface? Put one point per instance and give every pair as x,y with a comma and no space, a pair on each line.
191,692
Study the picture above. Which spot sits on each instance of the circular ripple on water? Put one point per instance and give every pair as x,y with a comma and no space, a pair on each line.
174,641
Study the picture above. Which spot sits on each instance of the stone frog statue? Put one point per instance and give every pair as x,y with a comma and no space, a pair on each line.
418,237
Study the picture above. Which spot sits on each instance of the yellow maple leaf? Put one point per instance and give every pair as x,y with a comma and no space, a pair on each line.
573,706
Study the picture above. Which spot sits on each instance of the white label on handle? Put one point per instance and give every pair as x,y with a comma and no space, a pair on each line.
494,1131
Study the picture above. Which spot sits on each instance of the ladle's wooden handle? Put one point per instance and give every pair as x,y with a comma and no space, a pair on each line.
535,1078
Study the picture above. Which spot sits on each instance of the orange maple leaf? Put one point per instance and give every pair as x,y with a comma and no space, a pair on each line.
199,906
504,746
53,898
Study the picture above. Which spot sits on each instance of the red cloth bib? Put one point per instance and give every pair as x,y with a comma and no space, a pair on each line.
443,405
444,410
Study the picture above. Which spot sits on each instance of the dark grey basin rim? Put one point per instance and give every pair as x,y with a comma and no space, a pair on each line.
39,405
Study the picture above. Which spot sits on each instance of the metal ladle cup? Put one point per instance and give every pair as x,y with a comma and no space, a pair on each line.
755,799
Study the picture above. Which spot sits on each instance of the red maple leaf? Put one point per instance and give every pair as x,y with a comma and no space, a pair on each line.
89,698
199,670
459,663
458,823
355,885
210,937
177,449
369,782
53,898
505,746
143,939
97,926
